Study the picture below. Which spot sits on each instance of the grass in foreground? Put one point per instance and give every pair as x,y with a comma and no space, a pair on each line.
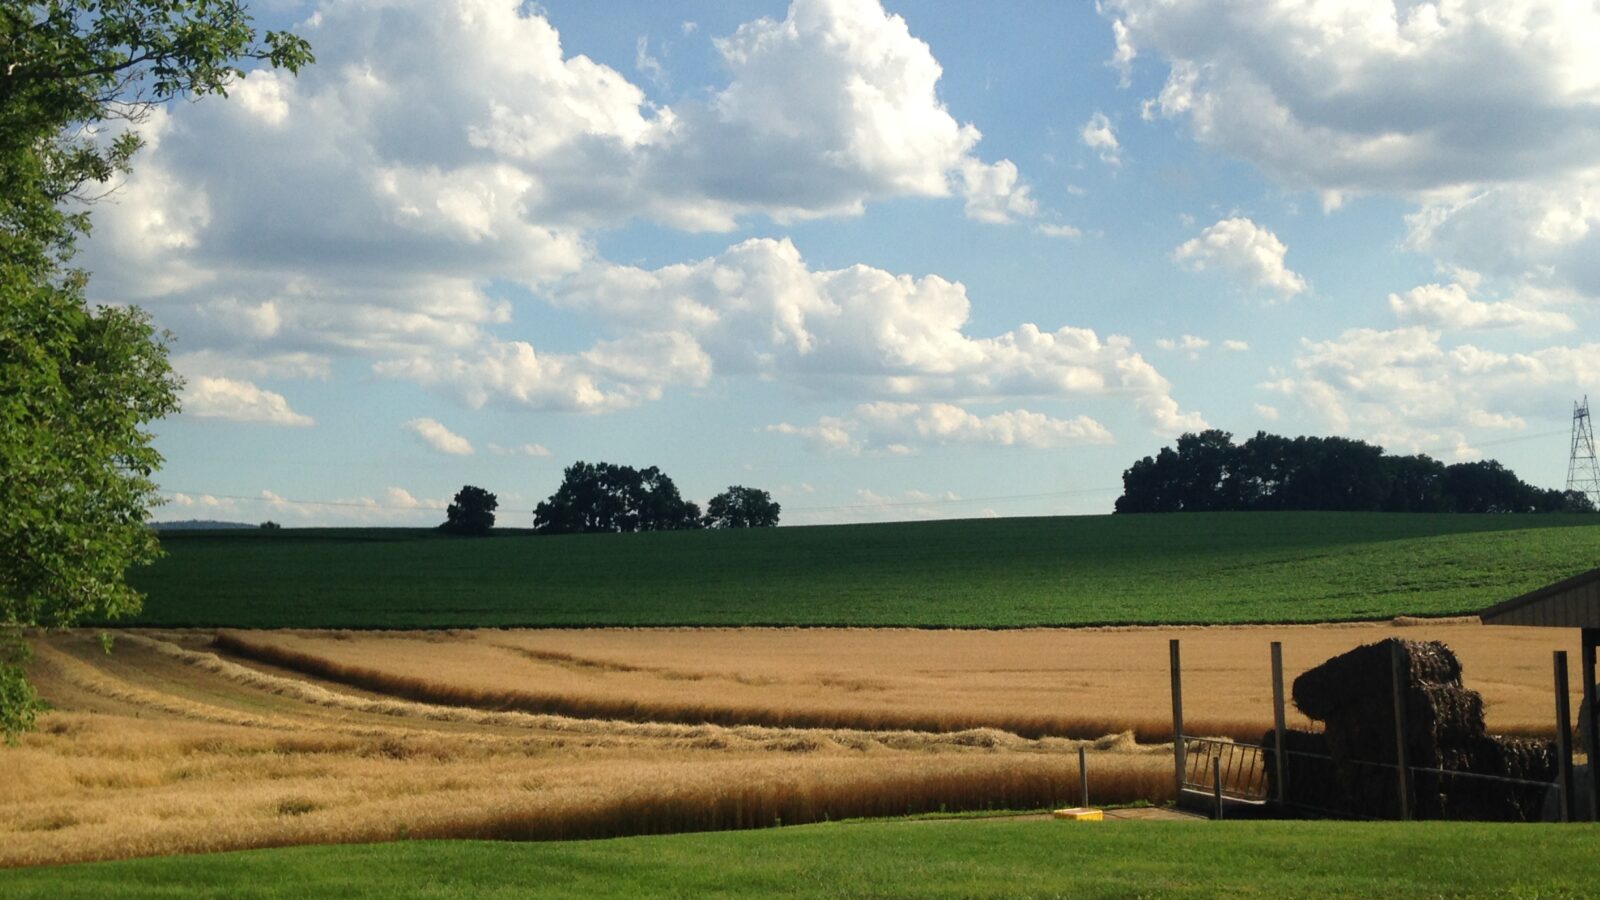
931,859
1153,569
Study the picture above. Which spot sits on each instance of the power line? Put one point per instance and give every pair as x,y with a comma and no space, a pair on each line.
934,501
1498,442
420,507
290,501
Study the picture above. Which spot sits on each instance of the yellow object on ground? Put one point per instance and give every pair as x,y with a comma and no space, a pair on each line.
1081,814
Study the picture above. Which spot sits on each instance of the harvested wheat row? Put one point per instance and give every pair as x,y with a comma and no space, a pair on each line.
433,692
1074,683
468,712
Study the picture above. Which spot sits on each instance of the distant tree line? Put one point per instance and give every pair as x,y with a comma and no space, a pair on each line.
1208,471
603,497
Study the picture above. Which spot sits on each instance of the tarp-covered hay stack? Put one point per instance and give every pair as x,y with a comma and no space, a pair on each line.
1352,695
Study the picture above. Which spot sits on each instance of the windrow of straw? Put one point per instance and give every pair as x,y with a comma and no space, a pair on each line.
703,734
802,799
691,711
286,804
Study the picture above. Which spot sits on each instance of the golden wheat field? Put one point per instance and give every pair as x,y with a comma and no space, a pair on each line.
186,741
1033,682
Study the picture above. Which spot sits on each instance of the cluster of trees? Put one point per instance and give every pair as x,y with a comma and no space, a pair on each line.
603,497
81,384
471,512
1208,471
600,497
741,507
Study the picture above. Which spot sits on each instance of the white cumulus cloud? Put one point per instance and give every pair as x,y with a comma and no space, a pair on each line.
209,397
902,427
1539,234
1099,136
612,375
758,309
1375,94
1409,389
1482,113
1189,343
1451,306
1251,255
440,438
438,150
994,193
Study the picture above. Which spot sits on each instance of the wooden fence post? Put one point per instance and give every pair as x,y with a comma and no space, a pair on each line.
1083,775
1177,717
1397,663
1591,728
1563,736
1278,727
1216,783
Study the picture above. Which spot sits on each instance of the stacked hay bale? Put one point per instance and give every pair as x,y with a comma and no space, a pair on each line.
1352,695
1308,769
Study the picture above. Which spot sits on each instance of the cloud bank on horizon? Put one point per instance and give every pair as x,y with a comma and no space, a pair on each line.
1369,218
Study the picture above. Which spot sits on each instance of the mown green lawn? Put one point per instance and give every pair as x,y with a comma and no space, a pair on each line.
1171,569
898,859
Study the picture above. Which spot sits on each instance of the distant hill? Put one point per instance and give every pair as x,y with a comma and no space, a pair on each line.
199,525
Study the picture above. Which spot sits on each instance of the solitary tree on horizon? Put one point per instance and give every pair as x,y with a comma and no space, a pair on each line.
471,513
742,507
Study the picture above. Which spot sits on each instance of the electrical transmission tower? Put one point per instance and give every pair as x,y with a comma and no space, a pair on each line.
1583,470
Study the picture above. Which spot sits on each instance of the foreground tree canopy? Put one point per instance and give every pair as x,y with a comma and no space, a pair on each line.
1208,471
602,497
472,512
78,385
742,507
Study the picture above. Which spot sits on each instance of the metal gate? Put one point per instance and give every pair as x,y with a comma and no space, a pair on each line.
1216,773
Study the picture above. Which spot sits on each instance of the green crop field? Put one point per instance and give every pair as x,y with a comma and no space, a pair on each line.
1172,569
900,859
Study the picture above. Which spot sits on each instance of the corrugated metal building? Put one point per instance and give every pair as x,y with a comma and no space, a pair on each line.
1571,603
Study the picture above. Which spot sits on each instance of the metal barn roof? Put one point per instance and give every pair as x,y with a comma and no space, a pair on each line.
1572,603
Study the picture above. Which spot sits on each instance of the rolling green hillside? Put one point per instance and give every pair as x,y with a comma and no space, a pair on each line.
895,859
1172,569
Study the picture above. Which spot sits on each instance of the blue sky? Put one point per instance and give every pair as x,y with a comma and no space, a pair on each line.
886,261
